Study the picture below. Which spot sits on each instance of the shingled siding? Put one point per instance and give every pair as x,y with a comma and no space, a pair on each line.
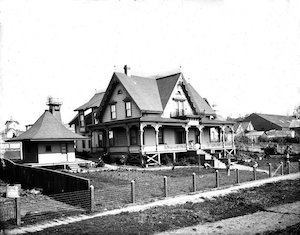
120,105
49,180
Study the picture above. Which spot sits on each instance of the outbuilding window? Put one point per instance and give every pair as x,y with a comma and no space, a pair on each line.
48,148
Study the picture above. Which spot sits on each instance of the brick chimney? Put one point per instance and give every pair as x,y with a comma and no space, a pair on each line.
54,107
127,70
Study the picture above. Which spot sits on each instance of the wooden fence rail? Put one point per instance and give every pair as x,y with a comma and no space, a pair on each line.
49,180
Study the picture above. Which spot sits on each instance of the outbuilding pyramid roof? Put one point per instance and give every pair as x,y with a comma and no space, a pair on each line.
47,128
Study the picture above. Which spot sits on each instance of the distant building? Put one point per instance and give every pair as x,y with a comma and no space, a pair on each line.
266,122
295,126
242,128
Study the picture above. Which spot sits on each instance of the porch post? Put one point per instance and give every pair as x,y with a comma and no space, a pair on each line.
128,137
187,136
142,136
156,127
232,139
200,128
223,139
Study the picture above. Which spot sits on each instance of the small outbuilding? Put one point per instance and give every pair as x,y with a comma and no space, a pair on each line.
48,141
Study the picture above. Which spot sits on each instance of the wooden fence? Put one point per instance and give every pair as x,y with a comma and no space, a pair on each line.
49,180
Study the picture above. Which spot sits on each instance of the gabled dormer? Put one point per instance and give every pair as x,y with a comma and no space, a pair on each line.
176,100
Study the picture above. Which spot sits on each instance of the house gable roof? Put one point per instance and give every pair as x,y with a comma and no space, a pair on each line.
47,128
143,91
94,102
166,86
151,95
201,105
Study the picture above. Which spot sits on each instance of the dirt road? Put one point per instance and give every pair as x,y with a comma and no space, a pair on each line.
272,219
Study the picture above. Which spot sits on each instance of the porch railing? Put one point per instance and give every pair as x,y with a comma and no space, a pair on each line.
165,148
212,145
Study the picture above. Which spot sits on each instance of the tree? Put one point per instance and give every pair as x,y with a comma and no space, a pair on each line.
296,112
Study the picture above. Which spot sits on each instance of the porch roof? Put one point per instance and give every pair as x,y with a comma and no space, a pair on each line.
162,120
208,121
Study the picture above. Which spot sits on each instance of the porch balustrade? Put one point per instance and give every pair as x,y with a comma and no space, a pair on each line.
212,145
165,148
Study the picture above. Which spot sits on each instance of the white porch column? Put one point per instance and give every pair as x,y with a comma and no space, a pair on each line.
200,128
142,137
232,139
187,135
156,127
223,139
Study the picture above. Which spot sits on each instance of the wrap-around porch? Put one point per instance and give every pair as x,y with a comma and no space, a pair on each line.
152,139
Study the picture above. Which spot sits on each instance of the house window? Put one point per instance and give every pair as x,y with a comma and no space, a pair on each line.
82,120
111,138
180,108
113,112
120,92
133,136
48,148
128,108
83,144
64,148
89,143
214,134
160,137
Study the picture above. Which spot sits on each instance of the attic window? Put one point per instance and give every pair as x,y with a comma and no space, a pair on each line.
120,92
178,93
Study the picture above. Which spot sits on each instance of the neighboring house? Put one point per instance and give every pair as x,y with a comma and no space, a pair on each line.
11,129
280,133
242,128
254,135
84,118
295,126
151,117
48,141
266,122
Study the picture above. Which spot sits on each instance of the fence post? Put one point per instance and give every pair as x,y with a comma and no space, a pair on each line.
270,171
18,211
132,191
217,179
165,186
299,165
237,176
288,166
281,165
254,173
92,198
194,182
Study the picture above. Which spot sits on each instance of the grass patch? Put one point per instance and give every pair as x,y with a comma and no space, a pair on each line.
173,217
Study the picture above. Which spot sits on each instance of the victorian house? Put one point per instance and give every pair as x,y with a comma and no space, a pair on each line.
152,117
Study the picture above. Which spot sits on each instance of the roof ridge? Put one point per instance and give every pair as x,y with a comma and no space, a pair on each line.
158,78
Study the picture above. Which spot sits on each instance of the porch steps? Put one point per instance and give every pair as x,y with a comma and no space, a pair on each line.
74,167
216,163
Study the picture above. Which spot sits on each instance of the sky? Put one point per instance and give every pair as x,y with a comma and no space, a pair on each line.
242,55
